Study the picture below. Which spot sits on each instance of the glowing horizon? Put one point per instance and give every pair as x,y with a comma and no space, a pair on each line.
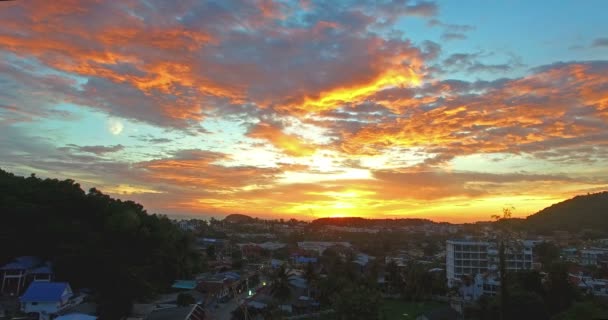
308,109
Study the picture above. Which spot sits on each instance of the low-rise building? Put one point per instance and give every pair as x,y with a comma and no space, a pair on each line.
321,246
46,298
19,273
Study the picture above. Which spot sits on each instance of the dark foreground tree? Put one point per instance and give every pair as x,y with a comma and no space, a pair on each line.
113,247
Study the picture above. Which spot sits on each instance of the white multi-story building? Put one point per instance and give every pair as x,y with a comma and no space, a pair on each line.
465,257
471,257
593,256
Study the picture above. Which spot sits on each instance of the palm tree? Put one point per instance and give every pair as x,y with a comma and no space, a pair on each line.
280,283
311,277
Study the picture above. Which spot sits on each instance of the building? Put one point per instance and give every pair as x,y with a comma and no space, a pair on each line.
320,246
487,284
471,257
594,256
589,285
19,273
465,257
46,299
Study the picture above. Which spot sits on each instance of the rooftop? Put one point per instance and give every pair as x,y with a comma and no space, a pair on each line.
44,291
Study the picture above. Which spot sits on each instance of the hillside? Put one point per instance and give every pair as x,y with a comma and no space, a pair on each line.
110,246
238,218
576,214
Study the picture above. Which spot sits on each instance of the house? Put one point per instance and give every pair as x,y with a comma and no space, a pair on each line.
19,273
362,261
46,298
219,286
320,246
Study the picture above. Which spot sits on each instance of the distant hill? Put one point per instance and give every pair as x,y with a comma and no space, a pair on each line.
238,218
358,222
576,214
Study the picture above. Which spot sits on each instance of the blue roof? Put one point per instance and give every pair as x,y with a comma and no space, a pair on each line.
306,259
232,275
44,291
184,284
21,263
298,282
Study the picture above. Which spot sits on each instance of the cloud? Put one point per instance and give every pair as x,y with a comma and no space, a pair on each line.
451,31
170,65
447,36
472,63
600,42
557,107
289,144
100,150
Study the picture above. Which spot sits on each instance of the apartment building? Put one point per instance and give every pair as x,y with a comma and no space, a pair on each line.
472,257
594,256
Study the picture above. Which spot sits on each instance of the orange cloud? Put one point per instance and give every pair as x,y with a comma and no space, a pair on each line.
289,144
523,115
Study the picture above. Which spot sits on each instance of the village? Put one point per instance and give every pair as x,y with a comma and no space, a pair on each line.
257,269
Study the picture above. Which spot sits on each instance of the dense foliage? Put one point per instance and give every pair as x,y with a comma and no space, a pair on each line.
576,214
113,247
357,222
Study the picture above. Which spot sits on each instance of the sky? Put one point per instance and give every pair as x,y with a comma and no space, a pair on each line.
447,110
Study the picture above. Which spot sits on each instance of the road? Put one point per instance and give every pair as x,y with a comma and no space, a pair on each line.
224,310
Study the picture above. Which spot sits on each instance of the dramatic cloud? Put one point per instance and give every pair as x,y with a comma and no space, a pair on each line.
290,144
558,107
301,108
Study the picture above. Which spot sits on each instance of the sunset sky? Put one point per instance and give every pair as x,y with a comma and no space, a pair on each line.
448,110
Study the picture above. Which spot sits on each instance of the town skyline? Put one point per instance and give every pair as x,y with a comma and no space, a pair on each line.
305,109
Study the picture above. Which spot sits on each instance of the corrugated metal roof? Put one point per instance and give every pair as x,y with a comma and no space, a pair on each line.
44,291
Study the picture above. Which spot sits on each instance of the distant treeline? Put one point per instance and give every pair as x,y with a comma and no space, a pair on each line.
586,212
112,247
357,222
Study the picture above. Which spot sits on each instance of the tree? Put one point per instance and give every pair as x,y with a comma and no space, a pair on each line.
560,293
311,277
357,302
418,283
111,246
547,252
395,281
210,252
185,299
585,310
504,239
279,287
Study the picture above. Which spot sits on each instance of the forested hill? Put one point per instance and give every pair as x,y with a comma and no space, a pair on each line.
366,223
111,246
576,214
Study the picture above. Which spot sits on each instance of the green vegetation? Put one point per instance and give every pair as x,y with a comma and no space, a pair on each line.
111,246
576,214
402,310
